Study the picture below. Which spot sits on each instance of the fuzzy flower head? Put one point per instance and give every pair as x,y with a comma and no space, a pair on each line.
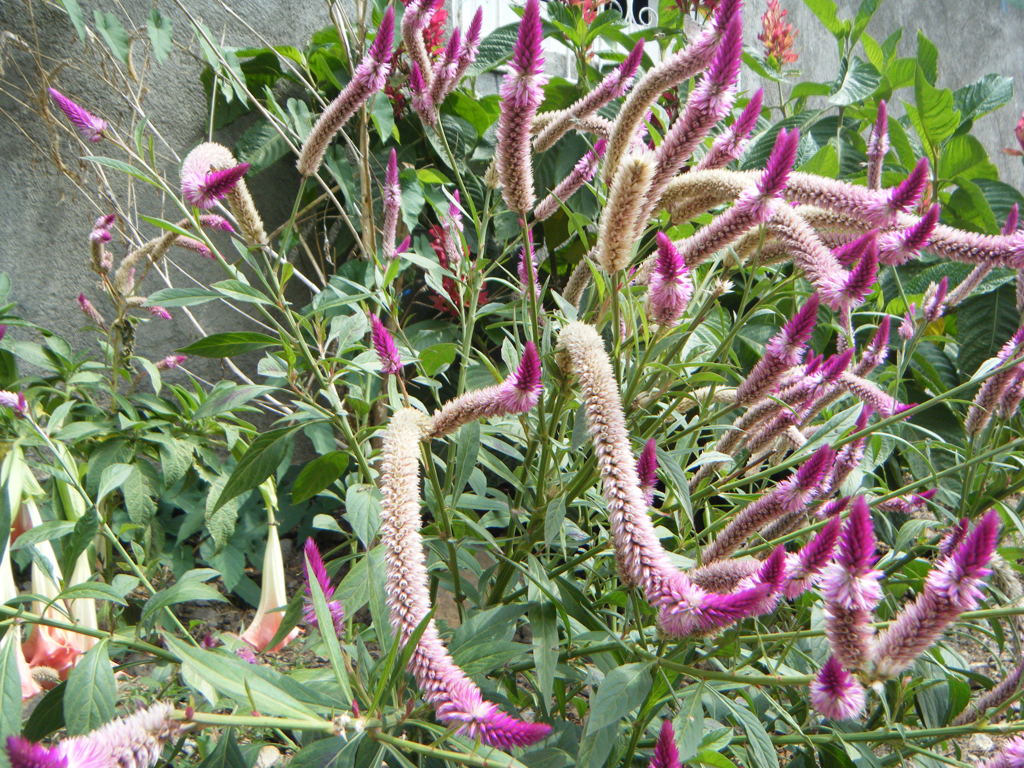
878,140
1012,753
780,163
90,311
835,693
15,401
803,568
850,580
521,391
90,126
934,300
666,754
171,361
204,180
159,312
315,569
1012,219
790,341
647,469
777,34
670,287
958,576
385,347
902,245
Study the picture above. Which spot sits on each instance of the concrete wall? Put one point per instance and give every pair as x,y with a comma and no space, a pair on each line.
45,218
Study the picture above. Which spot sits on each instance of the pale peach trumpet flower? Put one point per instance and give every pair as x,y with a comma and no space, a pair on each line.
8,592
273,598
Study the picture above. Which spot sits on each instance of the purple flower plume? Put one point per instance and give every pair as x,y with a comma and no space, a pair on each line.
780,163
470,44
804,567
903,245
993,388
384,346
835,693
315,569
521,391
877,348
647,469
203,187
666,754
15,401
1010,756
392,203
213,221
934,300
1012,218
878,146
906,194
670,287
952,587
784,350
521,94
862,277
90,126
730,144
581,173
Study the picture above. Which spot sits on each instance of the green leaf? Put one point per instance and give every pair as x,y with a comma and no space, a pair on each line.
257,464
74,12
436,357
228,397
983,96
239,291
984,323
494,49
856,83
159,29
624,689
689,723
230,676
230,344
261,146
113,477
759,743
927,57
226,754
123,167
318,475
189,588
933,114
10,688
181,297
964,155
92,692
362,511
82,535
825,10
220,522
110,29
335,752
94,590
383,116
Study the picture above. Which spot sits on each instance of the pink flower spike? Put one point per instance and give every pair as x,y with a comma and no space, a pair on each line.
797,331
213,221
666,754
934,300
877,349
90,311
878,146
403,247
670,286
779,164
854,251
15,401
384,345
857,546
381,48
171,361
909,191
315,569
836,364
808,563
521,391
90,126
1012,218
863,276
730,144
835,693
525,274
191,244
813,472
647,470
969,561
1012,753
23,753
899,247
203,188
159,312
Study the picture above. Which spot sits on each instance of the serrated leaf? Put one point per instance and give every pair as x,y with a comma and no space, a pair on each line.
261,146
112,479
220,521
983,96
92,692
158,27
494,49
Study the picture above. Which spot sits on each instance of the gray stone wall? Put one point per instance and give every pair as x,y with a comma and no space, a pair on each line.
45,217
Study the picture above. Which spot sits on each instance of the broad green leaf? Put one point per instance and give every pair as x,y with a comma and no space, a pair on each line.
318,475
82,535
825,10
122,167
689,723
984,323
239,291
261,146
110,29
383,116
927,57
10,690
257,464
335,752
159,28
181,297
220,521
494,49
92,692
113,477
189,588
865,11
624,689
362,511
228,397
230,344
983,96
94,590
436,357
74,12
964,155
856,83
933,114
759,743
226,754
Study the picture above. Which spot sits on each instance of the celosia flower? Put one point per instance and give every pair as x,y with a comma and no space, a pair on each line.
902,245
878,146
159,312
880,401
90,311
1012,753
581,173
134,741
314,568
611,87
777,34
273,598
647,470
731,143
666,754
1018,131
209,157
862,277
443,80
392,204
876,350
670,287
421,102
783,351
851,590
368,78
851,454
984,403
1012,218
952,587
417,15
907,504
90,126
202,187
457,699
521,94
528,274
196,246
14,400
835,693
171,361
804,567
622,219
934,300
788,496
518,393
385,347
215,221
470,45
